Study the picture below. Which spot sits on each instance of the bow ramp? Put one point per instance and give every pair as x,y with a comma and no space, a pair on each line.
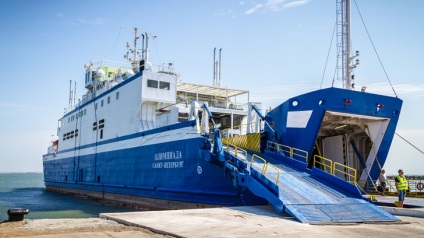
311,196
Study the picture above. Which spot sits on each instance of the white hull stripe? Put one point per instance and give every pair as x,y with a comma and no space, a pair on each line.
155,136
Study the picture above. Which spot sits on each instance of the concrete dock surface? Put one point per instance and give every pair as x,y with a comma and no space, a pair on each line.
260,221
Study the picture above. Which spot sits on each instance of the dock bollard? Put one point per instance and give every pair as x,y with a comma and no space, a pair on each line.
17,214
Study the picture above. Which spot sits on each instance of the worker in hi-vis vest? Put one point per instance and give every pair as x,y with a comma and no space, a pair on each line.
401,187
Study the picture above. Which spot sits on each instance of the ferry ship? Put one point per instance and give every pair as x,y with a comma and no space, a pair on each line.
140,136
141,132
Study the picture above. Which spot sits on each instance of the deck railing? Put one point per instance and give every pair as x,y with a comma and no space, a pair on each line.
348,172
255,159
291,151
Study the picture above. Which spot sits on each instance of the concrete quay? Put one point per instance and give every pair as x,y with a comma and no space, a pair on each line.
260,221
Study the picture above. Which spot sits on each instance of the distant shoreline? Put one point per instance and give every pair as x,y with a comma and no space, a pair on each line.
21,172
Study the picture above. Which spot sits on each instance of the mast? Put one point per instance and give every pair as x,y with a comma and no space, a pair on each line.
135,46
344,62
217,68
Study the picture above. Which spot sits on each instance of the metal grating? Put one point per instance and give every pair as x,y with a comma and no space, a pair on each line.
322,213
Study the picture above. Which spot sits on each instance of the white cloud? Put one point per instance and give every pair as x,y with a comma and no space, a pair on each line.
60,15
254,9
276,5
95,22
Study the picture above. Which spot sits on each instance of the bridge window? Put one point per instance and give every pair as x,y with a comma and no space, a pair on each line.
152,83
164,85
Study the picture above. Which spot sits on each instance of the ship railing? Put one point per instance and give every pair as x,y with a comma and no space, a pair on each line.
288,151
415,187
324,163
336,169
236,151
236,130
266,168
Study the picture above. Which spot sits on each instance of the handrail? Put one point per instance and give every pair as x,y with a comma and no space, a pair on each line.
287,149
236,149
299,150
253,159
284,147
346,173
323,163
278,171
272,145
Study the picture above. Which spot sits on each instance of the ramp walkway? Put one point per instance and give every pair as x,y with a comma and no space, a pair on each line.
309,195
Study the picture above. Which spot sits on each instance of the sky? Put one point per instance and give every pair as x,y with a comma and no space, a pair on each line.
276,49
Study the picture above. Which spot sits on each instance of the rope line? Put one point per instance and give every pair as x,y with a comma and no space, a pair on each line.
409,143
328,55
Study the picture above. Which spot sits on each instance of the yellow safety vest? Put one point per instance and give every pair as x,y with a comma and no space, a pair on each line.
402,184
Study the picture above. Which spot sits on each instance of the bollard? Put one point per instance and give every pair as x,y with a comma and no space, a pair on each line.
17,214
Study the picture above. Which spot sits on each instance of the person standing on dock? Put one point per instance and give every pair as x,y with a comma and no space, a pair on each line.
401,187
382,179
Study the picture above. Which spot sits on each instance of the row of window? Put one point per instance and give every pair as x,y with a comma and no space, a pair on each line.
70,135
77,115
108,100
84,112
158,84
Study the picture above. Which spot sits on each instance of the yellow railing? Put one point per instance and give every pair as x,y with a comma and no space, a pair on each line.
278,170
236,149
265,166
254,157
346,170
288,150
349,172
253,160
304,154
324,165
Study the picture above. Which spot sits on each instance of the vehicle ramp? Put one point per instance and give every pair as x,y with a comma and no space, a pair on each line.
309,195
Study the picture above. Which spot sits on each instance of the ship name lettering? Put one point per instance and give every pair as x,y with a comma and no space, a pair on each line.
173,165
169,155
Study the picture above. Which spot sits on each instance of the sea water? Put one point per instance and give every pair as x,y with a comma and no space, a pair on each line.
27,190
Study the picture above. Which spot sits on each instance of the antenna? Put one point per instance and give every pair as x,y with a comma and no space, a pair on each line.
214,67
75,92
135,46
217,68
147,48
70,93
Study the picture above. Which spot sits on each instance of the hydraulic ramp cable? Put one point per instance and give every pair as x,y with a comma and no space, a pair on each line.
410,143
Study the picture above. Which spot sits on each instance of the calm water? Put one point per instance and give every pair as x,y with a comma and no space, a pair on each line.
26,190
